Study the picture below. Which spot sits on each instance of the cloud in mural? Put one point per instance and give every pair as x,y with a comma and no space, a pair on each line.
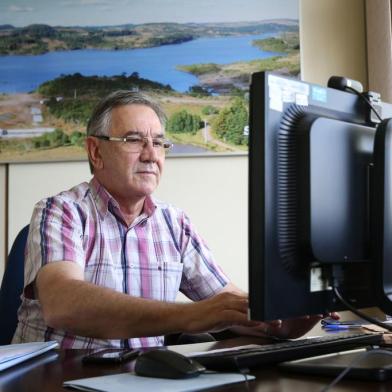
89,12
18,8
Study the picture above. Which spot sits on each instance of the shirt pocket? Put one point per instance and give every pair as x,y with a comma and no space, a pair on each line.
160,281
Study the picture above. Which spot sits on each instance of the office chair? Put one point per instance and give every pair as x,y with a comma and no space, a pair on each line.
12,287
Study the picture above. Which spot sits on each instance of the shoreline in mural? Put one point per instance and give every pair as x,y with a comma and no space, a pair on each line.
51,77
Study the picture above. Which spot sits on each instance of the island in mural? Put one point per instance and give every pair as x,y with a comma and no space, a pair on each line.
52,76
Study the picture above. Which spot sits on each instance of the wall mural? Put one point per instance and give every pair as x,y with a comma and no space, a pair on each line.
57,58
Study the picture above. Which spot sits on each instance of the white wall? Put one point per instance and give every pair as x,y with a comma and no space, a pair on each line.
212,190
379,47
333,40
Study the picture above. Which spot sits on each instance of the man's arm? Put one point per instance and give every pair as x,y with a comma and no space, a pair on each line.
82,308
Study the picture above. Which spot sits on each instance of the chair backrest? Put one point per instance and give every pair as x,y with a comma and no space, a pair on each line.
12,287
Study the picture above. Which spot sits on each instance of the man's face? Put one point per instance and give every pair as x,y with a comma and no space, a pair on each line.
130,175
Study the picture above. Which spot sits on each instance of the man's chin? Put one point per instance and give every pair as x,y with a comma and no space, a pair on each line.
146,189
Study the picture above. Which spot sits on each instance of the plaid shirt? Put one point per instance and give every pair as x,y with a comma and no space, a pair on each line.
157,256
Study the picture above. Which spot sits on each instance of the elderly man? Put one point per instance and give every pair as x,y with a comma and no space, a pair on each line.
105,260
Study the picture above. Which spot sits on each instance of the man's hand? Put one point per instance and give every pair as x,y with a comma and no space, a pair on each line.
218,312
292,328
284,329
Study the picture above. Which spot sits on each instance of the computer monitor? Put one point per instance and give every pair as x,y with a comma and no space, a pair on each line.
314,202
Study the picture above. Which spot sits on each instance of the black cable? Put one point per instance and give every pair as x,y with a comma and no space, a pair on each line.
363,97
359,313
354,362
243,371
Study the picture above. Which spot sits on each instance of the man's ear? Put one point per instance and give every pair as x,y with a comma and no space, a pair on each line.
94,155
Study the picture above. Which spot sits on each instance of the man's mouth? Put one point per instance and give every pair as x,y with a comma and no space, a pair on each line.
146,172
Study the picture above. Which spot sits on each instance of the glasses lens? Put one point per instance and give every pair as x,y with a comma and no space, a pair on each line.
167,145
137,144
161,145
134,144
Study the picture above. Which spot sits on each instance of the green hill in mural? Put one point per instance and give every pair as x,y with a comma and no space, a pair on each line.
41,38
98,86
72,97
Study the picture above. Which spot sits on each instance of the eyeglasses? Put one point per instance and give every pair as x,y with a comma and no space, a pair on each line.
138,143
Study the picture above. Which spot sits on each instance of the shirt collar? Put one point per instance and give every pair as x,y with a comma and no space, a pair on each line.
106,202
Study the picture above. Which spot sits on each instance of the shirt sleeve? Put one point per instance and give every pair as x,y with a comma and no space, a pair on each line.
202,276
56,234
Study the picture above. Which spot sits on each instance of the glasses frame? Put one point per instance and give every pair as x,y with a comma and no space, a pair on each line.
166,144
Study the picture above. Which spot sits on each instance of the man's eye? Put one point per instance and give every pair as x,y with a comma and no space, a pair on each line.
157,142
134,140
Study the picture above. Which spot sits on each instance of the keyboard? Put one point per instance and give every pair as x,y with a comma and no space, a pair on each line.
287,350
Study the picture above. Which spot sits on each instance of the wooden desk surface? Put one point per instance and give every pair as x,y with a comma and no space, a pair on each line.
47,373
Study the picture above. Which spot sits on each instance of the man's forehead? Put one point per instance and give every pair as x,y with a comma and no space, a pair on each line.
136,132
134,110
136,118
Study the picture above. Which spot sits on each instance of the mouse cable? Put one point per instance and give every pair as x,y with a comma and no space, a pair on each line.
360,314
243,371
354,362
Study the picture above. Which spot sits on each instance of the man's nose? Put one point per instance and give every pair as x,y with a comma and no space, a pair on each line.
148,153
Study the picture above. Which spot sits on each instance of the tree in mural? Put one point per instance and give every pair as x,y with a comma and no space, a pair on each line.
183,122
230,123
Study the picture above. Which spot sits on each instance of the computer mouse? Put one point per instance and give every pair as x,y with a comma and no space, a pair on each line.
164,363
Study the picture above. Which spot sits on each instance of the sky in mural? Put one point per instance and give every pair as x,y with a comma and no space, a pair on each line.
108,12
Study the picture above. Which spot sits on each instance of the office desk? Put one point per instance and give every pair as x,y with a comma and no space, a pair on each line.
47,373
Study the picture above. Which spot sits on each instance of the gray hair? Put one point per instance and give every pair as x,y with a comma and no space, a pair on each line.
100,121
101,118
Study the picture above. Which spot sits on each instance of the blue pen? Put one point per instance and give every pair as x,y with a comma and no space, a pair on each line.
328,321
339,327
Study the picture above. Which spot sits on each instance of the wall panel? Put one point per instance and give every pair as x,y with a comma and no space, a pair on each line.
3,220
